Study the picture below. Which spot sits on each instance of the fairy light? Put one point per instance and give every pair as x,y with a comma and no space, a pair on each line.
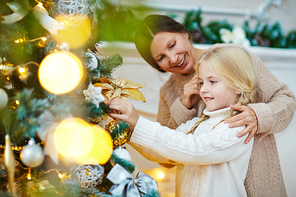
29,176
61,175
17,102
44,39
22,70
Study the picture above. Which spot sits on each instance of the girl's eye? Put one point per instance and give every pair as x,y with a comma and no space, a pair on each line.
201,83
213,81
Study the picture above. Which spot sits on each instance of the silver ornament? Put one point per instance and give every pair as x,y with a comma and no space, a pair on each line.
122,153
3,98
88,175
32,155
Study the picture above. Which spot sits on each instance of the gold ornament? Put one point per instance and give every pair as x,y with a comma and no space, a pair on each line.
120,88
119,138
9,162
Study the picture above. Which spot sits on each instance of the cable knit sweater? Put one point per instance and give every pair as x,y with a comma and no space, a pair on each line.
274,108
210,163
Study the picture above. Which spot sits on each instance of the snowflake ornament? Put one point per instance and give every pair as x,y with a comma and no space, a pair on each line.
94,95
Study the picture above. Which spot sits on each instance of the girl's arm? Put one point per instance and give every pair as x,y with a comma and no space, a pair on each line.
218,146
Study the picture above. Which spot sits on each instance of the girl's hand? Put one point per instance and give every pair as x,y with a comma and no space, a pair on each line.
191,92
247,117
123,110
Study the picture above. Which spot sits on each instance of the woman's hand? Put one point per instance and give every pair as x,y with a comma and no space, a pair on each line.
124,110
247,117
191,92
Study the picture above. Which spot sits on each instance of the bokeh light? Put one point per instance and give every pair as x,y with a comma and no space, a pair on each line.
79,141
60,72
73,137
77,30
102,148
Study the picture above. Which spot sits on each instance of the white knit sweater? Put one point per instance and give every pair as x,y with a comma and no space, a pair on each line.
209,162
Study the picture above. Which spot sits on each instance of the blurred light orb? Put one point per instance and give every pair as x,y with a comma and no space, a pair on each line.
77,30
73,137
102,148
79,141
60,72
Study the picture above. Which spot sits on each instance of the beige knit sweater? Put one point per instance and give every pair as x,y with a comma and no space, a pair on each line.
274,108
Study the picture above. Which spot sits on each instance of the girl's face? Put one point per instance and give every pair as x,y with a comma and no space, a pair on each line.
214,91
173,52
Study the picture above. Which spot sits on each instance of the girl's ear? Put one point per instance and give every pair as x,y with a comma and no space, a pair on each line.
237,92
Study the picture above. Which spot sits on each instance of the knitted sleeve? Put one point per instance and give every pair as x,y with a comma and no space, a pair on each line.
275,102
218,146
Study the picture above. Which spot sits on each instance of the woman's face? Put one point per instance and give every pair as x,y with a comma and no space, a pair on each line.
173,52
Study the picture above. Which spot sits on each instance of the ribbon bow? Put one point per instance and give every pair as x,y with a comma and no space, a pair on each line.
125,185
22,8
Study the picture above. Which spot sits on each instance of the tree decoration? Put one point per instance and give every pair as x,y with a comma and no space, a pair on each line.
119,131
93,94
73,7
32,154
3,98
120,88
9,163
42,38
125,185
88,175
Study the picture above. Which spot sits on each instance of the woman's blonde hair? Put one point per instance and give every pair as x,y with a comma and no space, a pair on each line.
235,66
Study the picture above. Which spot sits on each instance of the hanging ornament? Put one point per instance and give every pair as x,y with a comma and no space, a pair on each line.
3,98
122,153
119,135
92,63
9,163
93,94
88,175
73,7
32,154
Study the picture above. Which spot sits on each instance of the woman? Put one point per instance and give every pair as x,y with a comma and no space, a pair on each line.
165,45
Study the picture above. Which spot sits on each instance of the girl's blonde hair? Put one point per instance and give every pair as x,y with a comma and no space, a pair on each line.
235,66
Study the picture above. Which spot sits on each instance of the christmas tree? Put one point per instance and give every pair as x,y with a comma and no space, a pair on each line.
56,137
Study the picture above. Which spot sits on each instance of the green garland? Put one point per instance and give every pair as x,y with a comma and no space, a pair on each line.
265,35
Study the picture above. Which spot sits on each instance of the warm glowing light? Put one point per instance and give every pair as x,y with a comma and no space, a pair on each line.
60,72
75,138
29,177
102,148
17,102
43,38
61,175
22,70
40,4
160,175
77,30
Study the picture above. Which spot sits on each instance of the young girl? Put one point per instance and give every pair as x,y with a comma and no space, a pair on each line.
211,160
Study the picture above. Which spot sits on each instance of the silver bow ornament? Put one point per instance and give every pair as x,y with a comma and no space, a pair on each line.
125,185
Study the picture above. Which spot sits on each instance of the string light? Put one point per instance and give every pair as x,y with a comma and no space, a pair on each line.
29,176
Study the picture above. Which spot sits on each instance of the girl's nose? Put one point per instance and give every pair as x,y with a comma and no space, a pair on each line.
204,88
